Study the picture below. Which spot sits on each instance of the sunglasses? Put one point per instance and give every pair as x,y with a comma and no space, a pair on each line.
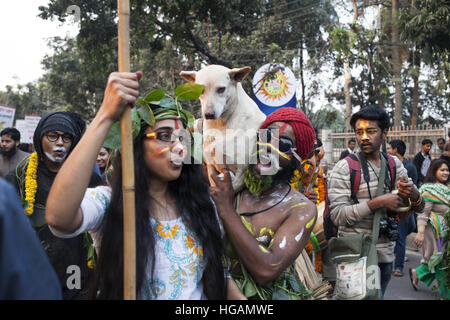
285,145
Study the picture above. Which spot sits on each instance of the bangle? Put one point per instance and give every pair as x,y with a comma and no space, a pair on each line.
418,202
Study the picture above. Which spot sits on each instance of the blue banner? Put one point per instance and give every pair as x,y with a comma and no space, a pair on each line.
269,109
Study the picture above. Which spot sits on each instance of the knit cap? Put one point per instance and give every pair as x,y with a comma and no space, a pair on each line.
303,129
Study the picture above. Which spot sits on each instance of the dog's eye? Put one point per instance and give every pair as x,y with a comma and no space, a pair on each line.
221,90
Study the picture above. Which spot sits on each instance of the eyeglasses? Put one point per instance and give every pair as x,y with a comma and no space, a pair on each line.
53,136
285,145
169,136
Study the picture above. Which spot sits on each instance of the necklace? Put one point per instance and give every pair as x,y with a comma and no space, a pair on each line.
249,214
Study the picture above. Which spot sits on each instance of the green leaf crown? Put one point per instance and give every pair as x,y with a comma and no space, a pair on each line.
157,105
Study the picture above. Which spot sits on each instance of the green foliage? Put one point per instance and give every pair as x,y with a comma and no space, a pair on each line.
446,257
286,286
170,36
342,41
159,105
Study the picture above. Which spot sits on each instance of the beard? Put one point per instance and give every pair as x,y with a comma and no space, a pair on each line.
257,183
9,153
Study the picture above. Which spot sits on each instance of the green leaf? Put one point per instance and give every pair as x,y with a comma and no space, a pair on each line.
112,140
136,122
435,260
249,290
166,102
293,282
155,95
190,118
146,114
189,91
279,294
142,102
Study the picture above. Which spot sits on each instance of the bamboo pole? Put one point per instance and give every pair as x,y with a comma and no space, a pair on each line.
129,221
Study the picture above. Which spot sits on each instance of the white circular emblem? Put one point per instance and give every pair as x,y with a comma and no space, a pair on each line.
274,85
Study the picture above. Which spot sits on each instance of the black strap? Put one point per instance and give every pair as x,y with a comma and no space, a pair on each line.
388,179
365,169
353,173
379,212
249,214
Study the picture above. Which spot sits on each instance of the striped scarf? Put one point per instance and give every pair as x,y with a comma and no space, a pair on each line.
438,193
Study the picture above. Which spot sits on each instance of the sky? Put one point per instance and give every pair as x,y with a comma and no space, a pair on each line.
23,40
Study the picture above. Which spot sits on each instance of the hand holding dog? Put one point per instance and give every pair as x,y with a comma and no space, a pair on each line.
222,193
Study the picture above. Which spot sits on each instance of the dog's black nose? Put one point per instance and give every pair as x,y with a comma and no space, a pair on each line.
209,115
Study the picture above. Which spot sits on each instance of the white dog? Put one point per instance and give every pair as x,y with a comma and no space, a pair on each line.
224,98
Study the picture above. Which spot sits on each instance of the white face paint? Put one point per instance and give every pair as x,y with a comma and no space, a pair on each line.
57,159
283,243
299,236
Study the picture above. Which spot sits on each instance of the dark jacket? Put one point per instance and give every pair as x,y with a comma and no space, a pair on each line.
25,270
412,171
418,161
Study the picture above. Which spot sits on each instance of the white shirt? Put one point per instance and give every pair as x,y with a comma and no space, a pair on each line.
179,256
425,164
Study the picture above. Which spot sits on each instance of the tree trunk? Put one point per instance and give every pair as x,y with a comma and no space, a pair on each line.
396,66
416,66
348,78
415,102
348,101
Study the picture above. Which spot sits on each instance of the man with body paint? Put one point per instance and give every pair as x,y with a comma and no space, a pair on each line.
371,125
269,223
55,137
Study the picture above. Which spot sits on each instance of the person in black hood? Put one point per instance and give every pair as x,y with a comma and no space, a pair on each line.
55,137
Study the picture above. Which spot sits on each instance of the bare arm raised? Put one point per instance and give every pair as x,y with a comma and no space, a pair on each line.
63,211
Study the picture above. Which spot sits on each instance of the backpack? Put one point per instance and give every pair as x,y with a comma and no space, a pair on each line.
330,230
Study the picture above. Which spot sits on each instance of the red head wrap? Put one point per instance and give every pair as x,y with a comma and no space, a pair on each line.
303,129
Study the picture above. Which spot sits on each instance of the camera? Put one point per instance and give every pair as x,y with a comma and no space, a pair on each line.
389,228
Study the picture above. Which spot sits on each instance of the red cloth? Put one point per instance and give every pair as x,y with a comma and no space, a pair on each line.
303,129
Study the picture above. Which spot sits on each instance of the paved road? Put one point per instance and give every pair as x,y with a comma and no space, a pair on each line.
400,288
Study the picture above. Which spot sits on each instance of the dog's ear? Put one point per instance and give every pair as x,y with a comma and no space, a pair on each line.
188,75
239,74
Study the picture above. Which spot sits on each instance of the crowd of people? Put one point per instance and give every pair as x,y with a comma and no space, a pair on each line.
61,211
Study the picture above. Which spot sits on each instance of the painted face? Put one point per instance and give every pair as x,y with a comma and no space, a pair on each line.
102,158
56,145
8,144
368,135
165,149
442,173
276,148
426,148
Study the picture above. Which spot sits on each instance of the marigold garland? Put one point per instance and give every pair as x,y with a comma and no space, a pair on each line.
31,183
318,261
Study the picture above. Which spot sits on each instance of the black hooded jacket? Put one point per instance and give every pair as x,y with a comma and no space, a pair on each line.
63,253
